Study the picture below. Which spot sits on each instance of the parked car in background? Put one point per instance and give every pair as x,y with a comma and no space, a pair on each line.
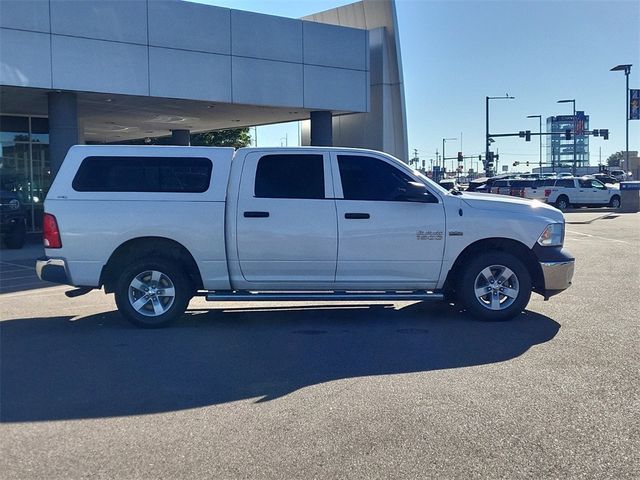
584,191
13,219
449,184
619,175
604,178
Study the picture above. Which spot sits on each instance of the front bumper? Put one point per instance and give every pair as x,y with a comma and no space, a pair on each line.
557,276
53,270
557,266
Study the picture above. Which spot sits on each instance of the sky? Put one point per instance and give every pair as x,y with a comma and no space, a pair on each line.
455,53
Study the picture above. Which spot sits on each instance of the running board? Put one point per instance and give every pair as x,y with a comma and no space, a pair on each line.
241,296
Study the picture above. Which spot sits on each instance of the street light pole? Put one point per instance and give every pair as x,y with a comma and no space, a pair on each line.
627,70
540,131
487,135
575,143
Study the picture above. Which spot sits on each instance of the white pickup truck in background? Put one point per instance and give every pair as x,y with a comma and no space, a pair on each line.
587,192
159,225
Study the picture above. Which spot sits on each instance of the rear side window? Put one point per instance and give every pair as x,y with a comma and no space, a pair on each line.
565,183
290,176
143,174
367,178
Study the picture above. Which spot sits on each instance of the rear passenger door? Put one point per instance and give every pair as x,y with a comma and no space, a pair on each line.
384,241
286,219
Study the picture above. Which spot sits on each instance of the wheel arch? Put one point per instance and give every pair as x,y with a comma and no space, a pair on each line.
496,244
148,246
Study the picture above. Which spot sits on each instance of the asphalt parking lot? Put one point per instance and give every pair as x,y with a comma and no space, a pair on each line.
330,390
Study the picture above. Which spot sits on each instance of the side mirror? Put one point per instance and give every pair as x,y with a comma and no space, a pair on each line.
417,192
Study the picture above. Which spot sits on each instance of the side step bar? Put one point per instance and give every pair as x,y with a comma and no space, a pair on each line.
242,296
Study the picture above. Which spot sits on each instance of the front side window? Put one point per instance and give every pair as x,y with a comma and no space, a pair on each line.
143,174
598,184
368,178
290,176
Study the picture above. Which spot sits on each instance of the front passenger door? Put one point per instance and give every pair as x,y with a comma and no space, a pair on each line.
384,240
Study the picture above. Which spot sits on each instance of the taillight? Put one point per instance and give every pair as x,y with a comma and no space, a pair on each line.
547,192
51,234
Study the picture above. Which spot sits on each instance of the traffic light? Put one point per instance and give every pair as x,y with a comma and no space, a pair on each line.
527,163
527,136
515,164
567,134
605,134
460,158
595,133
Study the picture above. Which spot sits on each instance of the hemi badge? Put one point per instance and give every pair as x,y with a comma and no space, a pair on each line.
455,234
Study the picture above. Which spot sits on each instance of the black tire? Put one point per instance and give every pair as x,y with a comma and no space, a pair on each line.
15,238
509,307
562,202
171,274
615,202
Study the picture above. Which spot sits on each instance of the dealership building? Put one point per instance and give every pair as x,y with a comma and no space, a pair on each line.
112,71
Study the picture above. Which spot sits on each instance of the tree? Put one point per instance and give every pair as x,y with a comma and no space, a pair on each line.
615,159
237,138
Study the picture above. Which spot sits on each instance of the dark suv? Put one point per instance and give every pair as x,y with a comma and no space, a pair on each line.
12,220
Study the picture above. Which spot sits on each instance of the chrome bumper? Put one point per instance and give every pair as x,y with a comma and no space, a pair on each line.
52,270
557,275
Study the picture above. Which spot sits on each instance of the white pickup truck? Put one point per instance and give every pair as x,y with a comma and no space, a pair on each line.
587,192
159,225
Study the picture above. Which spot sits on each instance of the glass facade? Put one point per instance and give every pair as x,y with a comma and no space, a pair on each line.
559,149
24,163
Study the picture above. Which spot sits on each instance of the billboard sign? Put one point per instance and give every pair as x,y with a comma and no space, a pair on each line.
634,104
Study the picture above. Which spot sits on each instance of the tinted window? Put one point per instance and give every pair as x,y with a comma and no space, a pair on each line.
565,183
290,176
584,183
501,183
143,174
522,183
367,178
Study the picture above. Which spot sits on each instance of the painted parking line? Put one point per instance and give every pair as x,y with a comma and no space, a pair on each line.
598,236
16,265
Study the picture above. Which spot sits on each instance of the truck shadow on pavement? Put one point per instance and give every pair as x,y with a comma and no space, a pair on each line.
60,368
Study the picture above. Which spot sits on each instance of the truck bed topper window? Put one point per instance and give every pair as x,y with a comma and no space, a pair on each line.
143,174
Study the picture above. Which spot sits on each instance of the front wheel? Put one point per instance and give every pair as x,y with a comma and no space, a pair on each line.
153,292
615,202
495,286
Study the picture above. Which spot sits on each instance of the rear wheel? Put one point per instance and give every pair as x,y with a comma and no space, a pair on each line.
615,202
153,292
562,202
495,286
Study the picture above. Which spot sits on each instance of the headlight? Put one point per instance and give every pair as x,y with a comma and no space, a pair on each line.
553,235
14,204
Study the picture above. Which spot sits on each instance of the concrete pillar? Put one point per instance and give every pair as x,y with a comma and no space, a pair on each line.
63,127
321,129
181,137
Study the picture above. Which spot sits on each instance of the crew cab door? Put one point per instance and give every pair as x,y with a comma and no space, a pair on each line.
384,241
286,219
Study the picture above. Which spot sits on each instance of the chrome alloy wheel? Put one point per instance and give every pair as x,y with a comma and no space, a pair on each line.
151,293
496,287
